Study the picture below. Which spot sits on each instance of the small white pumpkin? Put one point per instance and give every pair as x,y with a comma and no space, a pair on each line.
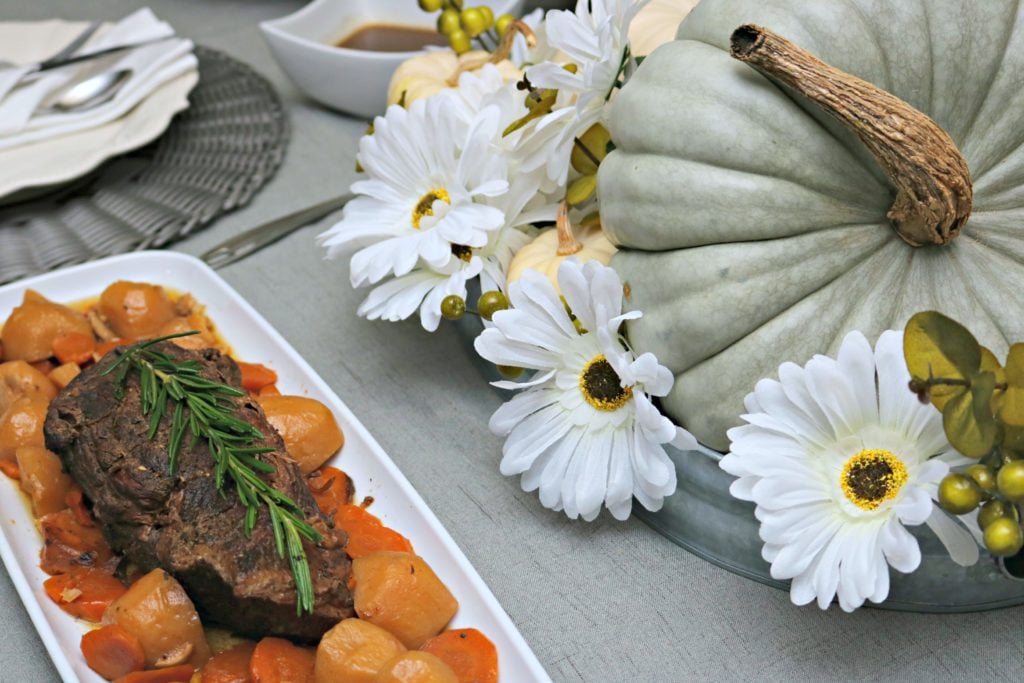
430,73
547,251
656,24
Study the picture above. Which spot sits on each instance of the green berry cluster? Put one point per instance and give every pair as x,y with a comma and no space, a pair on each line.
464,24
999,493
982,406
453,306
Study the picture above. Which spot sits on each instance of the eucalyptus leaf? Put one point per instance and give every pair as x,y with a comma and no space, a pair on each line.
968,420
590,149
936,346
581,189
1015,366
1011,406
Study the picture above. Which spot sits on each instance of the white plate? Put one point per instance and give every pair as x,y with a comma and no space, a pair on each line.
63,158
374,474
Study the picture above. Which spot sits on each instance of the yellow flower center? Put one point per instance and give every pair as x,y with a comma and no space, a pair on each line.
601,385
872,477
462,252
425,206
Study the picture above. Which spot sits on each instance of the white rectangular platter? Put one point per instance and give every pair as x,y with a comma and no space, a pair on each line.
254,340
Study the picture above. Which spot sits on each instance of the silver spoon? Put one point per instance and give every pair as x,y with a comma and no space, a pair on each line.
89,93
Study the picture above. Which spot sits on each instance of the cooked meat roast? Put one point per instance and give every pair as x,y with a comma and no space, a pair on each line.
182,523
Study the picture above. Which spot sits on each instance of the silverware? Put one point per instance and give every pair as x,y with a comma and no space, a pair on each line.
57,63
66,51
86,94
243,244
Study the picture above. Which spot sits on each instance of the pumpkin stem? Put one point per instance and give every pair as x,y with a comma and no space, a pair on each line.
933,183
567,242
502,52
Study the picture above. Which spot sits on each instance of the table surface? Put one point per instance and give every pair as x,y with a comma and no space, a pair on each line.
605,601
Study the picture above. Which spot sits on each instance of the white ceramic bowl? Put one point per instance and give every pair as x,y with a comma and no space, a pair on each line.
354,81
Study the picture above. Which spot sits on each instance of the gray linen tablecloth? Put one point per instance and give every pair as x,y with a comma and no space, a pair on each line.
599,602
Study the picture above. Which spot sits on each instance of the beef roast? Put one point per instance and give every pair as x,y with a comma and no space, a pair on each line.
182,523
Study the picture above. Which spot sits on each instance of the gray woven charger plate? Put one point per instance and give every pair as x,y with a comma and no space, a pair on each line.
213,157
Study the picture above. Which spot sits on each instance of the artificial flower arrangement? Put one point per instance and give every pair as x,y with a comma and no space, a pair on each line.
487,167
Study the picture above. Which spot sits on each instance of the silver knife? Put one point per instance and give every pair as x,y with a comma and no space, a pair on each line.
56,63
254,239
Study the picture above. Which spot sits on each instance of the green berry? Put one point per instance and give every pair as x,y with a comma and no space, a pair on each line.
984,476
488,16
510,371
1010,481
459,41
503,22
490,303
453,307
431,5
454,4
448,22
473,21
958,494
1003,537
991,511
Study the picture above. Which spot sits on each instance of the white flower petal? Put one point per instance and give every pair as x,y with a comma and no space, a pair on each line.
900,547
521,406
531,437
957,540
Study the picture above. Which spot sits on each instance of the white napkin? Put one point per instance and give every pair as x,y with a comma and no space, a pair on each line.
152,66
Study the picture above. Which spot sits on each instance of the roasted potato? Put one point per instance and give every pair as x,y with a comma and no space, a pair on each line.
157,610
43,478
29,332
416,667
310,432
400,593
22,425
135,310
353,652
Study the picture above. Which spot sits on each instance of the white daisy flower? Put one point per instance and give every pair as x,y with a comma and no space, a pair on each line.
584,431
426,282
594,38
429,174
839,456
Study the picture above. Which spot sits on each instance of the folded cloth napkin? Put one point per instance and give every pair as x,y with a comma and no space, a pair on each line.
22,119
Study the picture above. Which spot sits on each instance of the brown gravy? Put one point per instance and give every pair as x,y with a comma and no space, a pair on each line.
391,38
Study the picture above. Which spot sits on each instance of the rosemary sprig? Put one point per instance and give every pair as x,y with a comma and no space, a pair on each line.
204,409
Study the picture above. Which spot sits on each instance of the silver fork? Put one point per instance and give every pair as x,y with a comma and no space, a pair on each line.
65,52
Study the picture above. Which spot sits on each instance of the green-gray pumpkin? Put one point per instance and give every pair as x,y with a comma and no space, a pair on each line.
753,225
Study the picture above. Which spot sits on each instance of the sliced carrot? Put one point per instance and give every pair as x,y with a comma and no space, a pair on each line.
230,666
74,347
331,488
69,545
172,674
256,376
270,390
84,593
112,651
366,533
103,348
11,469
275,660
469,653
75,500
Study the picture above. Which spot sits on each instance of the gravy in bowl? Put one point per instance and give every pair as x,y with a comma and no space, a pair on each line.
391,38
